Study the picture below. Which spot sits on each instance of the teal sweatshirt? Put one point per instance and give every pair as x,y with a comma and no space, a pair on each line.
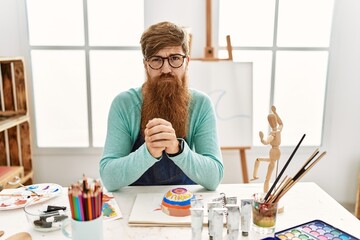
201,157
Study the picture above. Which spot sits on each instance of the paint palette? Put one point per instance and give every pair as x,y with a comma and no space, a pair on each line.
314,230
19,197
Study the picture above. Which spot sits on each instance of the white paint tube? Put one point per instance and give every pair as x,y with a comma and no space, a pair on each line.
218,223
211,206
245,216
197,202
232,221
197,221
231,200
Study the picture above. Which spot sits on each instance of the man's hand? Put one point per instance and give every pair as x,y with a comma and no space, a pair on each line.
160,136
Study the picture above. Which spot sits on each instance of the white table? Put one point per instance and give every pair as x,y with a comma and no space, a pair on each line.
303,203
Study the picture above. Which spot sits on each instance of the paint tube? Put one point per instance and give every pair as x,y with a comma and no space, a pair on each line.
245,216
197,220
218,222
197,202
232,221
210,206
231,200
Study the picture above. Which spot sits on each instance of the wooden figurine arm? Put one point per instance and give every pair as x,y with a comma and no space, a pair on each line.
268,140
278,119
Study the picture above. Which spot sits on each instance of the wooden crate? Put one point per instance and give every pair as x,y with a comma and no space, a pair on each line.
15,140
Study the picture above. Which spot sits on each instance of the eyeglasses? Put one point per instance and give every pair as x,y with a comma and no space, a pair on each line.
174,60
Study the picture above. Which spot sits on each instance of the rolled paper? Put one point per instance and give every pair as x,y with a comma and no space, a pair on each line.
218,223
245,216
197,220
212,205
232,221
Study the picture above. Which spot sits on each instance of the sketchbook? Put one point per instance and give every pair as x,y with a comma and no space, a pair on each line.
147,211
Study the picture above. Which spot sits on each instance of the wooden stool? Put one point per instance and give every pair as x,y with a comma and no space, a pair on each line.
243,163
357,203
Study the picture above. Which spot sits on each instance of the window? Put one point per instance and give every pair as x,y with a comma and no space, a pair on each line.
80,59
288,42
79,63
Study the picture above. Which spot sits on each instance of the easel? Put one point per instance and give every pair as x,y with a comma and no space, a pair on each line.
243,162
209,49
209,56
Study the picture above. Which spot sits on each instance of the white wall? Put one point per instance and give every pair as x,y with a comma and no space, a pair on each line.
336,173
10,30
342,119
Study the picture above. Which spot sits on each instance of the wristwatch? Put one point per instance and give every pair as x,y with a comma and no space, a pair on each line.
181,148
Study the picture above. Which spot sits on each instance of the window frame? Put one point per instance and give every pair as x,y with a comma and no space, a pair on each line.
87,48
274,49
91,150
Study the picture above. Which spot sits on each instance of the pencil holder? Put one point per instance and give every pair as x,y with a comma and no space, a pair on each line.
81,230
85,198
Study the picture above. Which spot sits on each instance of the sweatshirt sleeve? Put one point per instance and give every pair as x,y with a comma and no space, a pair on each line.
119,167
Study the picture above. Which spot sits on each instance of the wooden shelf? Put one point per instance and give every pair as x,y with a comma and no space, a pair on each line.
9,122
15,145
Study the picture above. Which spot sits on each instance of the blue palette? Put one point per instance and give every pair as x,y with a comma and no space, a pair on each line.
314,230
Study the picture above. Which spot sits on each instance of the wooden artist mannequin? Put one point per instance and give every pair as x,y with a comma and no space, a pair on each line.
274,139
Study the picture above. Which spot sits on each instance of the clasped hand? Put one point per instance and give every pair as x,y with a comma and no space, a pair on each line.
160,136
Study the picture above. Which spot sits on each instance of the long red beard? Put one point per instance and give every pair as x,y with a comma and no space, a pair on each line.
166,97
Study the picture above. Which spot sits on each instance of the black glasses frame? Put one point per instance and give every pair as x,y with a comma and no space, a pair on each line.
166,58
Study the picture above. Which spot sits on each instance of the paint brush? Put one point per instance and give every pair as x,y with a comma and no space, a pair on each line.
279,189
300,176
18,195
285,186
303,168
291,181
283,169
28,189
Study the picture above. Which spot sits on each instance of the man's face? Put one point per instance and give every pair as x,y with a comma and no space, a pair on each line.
166,69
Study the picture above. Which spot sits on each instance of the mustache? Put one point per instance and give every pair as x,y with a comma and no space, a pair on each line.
166,76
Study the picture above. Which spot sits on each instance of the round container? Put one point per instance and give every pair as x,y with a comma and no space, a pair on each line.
47,216
263,215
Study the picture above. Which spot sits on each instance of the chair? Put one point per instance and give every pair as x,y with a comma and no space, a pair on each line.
243,163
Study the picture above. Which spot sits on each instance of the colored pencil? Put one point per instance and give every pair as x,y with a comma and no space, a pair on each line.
89,207
85,200
71,202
